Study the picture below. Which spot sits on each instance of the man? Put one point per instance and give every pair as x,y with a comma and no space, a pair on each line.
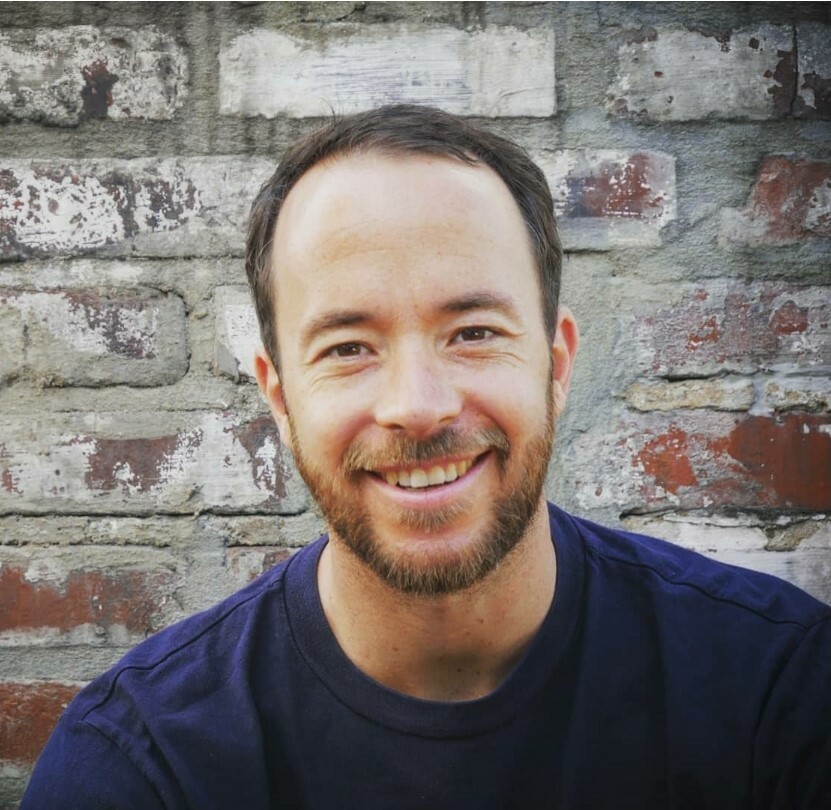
455,642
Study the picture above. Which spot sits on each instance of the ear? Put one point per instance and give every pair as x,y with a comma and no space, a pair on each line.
269,382
563,352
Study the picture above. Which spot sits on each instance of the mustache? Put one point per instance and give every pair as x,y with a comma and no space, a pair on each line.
404,451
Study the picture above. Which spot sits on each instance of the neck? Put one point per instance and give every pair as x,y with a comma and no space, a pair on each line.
458,646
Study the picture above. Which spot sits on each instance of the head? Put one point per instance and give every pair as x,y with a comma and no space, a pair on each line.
409,287
403,129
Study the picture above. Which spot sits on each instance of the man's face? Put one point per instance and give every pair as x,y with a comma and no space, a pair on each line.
416,380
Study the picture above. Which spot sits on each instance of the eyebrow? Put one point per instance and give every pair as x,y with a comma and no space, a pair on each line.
481,300
334,319
339,318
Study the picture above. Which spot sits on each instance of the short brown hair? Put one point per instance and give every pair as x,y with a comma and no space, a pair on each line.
402,129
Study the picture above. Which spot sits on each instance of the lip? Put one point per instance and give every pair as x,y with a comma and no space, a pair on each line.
432,497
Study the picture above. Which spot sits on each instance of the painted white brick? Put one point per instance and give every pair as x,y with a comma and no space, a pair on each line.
499,71
140,463
724,326
81,337
674,74
62,76
194,206
237,335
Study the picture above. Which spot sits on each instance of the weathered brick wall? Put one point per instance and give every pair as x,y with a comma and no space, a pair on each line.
689,150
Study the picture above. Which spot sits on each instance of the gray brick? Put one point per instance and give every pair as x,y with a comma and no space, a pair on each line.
814,75
721,394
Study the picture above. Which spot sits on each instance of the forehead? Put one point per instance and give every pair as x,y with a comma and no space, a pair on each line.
364,201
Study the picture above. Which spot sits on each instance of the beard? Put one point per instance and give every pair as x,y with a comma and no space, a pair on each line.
443,571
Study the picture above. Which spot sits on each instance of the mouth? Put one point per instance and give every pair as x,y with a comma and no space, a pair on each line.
428,475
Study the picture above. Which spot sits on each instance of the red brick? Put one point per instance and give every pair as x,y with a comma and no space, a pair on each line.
709,460
128,598
730,326
28,713
606,198
790,201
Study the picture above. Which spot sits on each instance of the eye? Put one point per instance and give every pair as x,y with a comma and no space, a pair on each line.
472,334
346,350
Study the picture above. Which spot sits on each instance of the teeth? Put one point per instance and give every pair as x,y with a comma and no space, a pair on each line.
435,476
418,479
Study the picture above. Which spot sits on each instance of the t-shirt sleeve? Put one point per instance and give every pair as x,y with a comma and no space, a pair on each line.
793,744
82,769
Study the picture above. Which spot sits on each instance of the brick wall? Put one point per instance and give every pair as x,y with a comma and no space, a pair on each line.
689,151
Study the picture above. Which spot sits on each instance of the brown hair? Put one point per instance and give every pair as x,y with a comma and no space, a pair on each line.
401,129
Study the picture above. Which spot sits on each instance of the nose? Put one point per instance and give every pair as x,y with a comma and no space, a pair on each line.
419,394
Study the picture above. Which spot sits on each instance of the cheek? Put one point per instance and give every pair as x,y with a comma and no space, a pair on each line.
325,429
514,396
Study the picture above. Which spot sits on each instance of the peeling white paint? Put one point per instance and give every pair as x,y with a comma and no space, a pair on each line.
61,212
191,206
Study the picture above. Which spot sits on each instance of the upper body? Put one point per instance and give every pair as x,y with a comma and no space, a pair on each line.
657,679
405,269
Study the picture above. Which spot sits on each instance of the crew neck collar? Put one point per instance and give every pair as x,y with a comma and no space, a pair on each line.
427,718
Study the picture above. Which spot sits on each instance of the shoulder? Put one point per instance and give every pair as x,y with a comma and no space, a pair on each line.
168,706
209,652
677,578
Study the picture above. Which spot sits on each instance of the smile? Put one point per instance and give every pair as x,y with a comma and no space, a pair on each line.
434,475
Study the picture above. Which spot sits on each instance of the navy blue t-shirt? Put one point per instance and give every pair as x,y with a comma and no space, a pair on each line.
659,679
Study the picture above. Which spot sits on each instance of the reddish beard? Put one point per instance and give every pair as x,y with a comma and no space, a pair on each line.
522,471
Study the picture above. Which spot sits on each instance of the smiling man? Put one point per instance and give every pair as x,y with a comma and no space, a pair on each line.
454,641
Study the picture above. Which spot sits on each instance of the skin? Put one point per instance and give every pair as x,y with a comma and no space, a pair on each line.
408,306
